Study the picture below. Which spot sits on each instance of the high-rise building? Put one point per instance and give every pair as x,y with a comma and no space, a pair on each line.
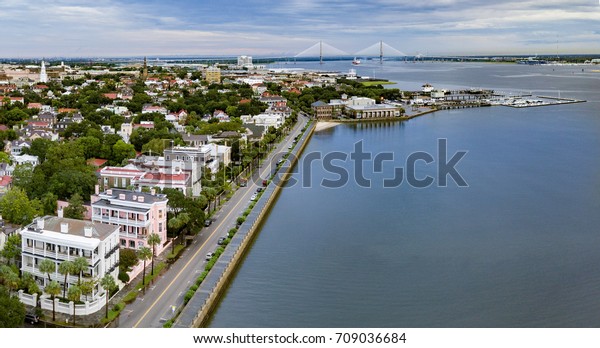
245,62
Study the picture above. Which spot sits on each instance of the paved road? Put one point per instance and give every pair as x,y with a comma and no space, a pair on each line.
166,294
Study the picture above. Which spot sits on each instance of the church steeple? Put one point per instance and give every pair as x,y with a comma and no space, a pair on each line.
145,71
43,75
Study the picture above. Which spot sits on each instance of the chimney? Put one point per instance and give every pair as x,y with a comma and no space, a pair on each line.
87,231
60,213
153,191
141,199
97,189
64,227
40,223
109,192
122,196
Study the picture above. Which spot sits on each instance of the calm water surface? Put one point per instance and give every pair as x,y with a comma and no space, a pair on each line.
519,247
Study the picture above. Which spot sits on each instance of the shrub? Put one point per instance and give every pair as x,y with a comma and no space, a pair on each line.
124,277
194,287
130,297
232,232
168,323
241,220
119,307
188,296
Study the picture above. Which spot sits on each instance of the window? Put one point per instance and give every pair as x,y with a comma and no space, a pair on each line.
160,227
160,214
123,243
132,244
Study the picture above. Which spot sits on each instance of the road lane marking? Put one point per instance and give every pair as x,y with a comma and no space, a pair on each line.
194,256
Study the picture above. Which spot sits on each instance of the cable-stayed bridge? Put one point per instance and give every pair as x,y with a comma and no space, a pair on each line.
378,49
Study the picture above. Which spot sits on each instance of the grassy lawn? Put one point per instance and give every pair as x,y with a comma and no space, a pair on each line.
375,83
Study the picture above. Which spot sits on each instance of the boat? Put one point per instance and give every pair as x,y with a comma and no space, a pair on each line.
356,61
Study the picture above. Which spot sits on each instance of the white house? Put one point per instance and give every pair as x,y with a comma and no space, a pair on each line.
61,239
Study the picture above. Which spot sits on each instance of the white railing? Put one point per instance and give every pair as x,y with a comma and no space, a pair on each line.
88,307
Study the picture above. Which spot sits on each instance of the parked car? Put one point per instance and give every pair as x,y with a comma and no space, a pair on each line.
259,189
253,198
209,256
222,240
243,183
265,183
207,222
32,318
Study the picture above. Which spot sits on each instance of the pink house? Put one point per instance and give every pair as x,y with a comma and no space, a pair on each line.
138,213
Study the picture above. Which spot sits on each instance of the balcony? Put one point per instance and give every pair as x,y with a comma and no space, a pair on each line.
120,221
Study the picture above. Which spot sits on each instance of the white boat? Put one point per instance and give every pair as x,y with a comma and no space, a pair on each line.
356,61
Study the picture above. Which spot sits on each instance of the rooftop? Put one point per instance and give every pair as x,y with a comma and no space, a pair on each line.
74,227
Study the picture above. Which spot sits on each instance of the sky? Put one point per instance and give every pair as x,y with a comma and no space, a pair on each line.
110,28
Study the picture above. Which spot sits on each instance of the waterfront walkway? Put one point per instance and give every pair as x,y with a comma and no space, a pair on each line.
196,313
165,296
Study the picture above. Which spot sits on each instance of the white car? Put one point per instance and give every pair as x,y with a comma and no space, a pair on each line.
253,198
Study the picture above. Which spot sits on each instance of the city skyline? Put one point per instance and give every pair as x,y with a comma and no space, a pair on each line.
261,28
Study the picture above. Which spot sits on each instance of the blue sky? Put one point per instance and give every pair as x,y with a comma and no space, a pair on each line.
40,28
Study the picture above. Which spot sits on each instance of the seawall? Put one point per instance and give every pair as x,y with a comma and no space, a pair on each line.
198,310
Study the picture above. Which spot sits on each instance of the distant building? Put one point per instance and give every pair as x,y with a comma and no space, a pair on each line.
323,111
245,62
213,74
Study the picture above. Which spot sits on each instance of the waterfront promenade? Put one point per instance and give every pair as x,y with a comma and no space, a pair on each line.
165,296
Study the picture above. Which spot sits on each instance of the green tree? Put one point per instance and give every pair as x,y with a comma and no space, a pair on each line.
122,151
145,254
39,147
53,289
12,248
74,295
80,264
87,287
13,311
156,146
153,240
211,194
91,146
47,266
17,208
66,267
127,259
4,158
108,284
49,203
9,278
29,284
75,209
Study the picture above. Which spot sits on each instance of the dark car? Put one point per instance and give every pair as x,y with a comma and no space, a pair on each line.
31,318
207,222
259,189
243,184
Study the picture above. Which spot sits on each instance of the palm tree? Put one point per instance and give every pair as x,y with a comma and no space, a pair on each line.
53,289
47,266
108,283
74,295
66,268
210,194
9,278
80,264
87,287
145,254
153,240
